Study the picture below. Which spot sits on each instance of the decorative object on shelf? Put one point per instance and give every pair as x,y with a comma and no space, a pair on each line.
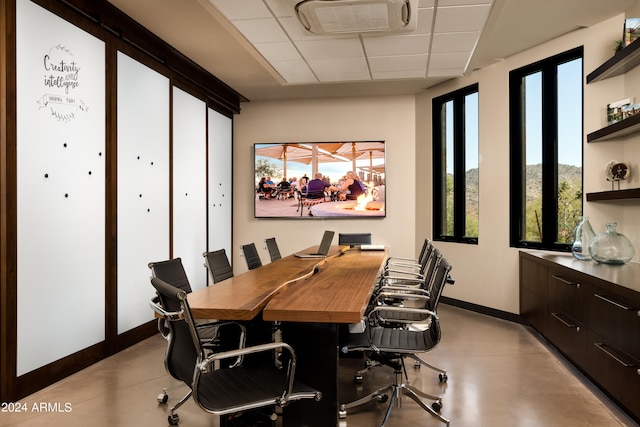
615,110
631,30
611,247
583,236
617,171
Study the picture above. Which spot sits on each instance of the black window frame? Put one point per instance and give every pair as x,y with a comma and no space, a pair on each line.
517,214
439,166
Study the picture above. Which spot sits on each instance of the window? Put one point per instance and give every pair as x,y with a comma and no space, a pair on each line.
546,151
455,166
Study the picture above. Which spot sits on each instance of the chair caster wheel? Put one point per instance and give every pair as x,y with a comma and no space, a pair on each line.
174,419
437,406
358,379
443,378
383,398
342,413
163,397
416,365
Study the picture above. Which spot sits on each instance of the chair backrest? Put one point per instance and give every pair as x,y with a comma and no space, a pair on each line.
172,272
272,247
354,239
440,278
183,350
218,265
251,256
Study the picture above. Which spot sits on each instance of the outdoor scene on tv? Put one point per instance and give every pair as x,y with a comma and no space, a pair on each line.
320,179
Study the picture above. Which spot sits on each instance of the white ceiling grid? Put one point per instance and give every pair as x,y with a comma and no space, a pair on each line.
440,44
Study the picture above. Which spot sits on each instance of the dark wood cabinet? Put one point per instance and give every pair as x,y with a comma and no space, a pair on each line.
567,315
591,313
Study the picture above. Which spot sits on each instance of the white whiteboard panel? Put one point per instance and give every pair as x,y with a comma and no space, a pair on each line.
143,186
220,178
61,188
189,185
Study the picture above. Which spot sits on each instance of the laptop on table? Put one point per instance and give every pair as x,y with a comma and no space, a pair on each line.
323,249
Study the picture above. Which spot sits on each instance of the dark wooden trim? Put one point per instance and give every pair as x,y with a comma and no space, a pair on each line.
624,60
504,315
8,213
55,371
626,194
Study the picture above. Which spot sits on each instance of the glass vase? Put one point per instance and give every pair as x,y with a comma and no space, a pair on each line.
583,236
611,247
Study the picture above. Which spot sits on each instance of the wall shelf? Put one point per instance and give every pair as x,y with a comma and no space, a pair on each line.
620,129
631,193
623,61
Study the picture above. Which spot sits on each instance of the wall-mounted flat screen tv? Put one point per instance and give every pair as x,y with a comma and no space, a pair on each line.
320,179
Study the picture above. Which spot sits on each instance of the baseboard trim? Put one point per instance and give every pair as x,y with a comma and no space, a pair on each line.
505,315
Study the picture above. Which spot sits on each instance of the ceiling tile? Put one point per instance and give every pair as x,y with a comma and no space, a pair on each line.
294,71
461,2
330,48
328,69
261,30
449,60
279,51
461,18
245,9
403,74
399,63
425,21
396,45
454,42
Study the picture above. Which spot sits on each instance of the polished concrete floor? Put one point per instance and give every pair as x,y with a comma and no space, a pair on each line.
500,374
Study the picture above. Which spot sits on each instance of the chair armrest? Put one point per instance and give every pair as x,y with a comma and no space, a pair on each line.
155,306
205,365
424,311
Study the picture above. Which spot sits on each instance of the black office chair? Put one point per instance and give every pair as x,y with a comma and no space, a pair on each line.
390,346
272,247
354,239
172,271
230,389
218,266
250,254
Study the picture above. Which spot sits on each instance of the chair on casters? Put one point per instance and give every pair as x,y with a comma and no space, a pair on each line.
251,256
229,390
272,247
172,271
218,266
390,346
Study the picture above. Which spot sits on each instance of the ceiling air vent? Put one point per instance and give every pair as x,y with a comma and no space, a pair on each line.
353,16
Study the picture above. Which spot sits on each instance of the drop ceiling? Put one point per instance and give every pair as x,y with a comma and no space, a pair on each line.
260,49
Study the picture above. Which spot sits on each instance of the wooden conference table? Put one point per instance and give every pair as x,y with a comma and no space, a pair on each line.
312,297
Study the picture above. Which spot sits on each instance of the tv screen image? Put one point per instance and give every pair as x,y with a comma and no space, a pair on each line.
320,179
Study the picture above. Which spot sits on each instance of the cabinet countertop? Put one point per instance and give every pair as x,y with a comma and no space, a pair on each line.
626,275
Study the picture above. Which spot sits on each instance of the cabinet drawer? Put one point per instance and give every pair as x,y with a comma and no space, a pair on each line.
616,318
533,277
569,336
615,370
568,296
534,309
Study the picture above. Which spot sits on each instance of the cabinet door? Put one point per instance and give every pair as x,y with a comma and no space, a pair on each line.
566,323
615,370
616,317
533,293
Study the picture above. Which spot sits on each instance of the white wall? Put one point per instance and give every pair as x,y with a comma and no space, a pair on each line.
487,274
385,118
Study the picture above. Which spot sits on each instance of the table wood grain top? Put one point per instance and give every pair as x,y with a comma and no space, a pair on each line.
338,292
